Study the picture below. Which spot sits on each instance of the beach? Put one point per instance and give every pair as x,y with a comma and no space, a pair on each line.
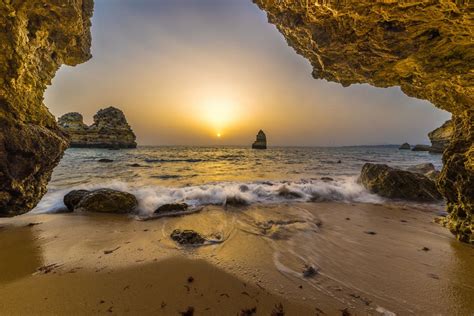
368,259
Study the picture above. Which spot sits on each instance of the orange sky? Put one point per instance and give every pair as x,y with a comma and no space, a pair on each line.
183,71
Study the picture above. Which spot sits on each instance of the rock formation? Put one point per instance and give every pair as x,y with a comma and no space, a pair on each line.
404,146
441,136
101,201
110,130
261,141
421,148
36,38
398,184
425,47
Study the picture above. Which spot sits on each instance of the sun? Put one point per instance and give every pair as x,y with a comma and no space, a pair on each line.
219,135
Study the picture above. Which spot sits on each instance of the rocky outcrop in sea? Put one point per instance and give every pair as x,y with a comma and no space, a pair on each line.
441,136
398,184
110,130
261,141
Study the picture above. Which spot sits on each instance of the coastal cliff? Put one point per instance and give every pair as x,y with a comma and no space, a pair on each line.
425,48
110,130
441,136
36,38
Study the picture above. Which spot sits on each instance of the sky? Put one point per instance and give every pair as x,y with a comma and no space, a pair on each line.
184,71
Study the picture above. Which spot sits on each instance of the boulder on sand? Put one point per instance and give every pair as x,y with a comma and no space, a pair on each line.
187,237
398,184
101,200
172,208
405,146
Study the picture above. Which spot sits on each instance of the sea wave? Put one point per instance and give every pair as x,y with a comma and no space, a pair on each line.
224,193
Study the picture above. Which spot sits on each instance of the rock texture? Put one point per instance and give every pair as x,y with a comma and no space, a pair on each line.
36,38
261,141
110,130
425,47
101,201
398,184
421,148
404,146
441,137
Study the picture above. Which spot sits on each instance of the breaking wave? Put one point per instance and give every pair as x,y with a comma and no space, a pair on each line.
224,193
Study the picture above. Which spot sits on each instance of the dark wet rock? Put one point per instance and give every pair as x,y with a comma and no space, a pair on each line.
135,165
106,201
105,160
110,130
425,249
339,161
187,237
288,194
309,271
261,141
398,184
404,146
236,200
327,179
441,137
370,232
244,188
421,148
172,208
422,168
73,198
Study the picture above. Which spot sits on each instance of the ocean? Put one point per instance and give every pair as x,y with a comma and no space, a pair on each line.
212,175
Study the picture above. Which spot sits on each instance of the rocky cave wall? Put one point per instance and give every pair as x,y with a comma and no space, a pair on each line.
36,38
425,47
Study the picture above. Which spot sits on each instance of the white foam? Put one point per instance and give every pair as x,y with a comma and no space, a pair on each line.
151,197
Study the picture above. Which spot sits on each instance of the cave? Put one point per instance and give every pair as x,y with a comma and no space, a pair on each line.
425,48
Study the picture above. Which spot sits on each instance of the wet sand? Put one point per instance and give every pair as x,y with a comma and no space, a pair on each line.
370,259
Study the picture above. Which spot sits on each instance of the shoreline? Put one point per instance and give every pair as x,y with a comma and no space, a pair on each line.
354,247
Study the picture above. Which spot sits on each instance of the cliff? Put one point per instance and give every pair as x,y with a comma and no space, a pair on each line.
424,47
36,38
110,130
441,136
261,141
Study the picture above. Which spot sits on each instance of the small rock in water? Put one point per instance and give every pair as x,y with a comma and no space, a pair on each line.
244,188
370,233
327,179
286,193
190,279
187,237
105,160
309,271
135,165
236,201
425,249
172,207
339,161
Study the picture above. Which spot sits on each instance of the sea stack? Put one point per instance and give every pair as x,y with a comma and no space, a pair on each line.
110,130
261,142
441,136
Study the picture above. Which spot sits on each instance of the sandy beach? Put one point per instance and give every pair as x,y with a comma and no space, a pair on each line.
369,259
